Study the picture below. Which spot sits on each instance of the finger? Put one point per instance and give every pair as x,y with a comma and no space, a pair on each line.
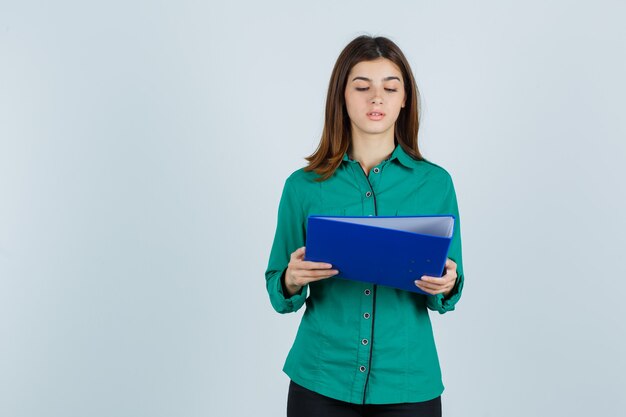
435,280
450,272
429,290
447,278
428,285
314,265
432,278
322,274
450,278
311,276
298,254
435,284
316,272
426,290
450,264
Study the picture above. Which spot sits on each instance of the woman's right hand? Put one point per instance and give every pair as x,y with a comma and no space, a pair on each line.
300,272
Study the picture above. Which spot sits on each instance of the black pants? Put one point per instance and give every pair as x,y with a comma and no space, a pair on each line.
302,402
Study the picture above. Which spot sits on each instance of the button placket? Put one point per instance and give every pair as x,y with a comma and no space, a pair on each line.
365,331
367,187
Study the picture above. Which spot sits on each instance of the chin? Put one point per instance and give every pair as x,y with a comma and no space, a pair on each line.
379,130
371,128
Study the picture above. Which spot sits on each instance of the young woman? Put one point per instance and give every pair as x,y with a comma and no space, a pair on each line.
363,349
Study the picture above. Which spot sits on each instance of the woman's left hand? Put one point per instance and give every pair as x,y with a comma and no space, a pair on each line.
439,285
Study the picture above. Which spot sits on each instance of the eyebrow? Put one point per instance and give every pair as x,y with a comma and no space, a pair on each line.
384,79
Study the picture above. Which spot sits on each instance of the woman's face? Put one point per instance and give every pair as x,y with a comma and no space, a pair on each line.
374,96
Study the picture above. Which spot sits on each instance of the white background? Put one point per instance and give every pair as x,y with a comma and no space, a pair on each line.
143,150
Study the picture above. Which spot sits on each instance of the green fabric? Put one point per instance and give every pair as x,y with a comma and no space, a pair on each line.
329,349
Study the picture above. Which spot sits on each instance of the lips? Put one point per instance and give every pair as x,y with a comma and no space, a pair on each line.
375,115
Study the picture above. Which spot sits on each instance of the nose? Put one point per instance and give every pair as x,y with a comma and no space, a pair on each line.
377,98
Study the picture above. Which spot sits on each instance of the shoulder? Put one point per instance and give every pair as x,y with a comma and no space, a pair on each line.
301,184
301,178
432,173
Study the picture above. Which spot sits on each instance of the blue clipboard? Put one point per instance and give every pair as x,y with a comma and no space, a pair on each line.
387,250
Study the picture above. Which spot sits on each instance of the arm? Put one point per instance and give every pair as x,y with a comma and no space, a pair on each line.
288,274
440,302
289,236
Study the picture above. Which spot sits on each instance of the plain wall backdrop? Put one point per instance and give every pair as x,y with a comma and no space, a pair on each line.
144,146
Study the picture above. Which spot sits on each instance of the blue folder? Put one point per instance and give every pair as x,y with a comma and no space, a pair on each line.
387,250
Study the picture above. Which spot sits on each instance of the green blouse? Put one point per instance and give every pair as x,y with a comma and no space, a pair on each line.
359,342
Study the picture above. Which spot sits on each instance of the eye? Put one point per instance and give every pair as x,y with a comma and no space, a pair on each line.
391,90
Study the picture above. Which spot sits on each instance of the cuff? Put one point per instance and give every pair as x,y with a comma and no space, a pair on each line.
442,303
283,304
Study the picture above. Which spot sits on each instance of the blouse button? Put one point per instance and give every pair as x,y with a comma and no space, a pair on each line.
367,292
368,194
365,342
376,170
366,316
362,368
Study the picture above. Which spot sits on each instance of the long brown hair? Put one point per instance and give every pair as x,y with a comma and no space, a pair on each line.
337,135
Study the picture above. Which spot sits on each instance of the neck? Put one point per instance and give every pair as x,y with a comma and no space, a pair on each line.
371,150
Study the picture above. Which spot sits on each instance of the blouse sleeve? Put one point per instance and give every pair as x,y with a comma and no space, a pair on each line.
439,302
289,236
